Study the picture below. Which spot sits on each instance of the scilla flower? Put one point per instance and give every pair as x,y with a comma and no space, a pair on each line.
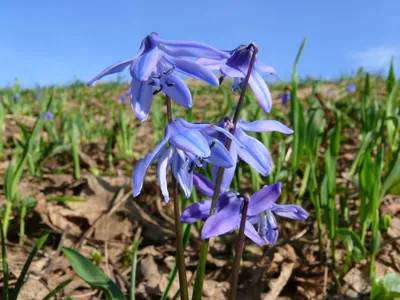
153,67
189,147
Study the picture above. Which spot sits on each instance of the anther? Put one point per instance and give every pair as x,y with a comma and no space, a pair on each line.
169,83
169,72
212,145
158,90
221,79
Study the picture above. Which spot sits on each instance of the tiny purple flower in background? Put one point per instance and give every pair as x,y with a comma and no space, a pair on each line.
16,97
285,97
261,210
122,99
152,70
190,145
254,152
49,116
236,67
351,88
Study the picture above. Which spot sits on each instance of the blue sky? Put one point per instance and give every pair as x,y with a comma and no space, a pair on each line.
53,42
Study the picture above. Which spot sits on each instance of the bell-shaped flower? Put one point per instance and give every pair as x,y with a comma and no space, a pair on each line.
236,67
227,215
254,152
190,145
152,71
351,88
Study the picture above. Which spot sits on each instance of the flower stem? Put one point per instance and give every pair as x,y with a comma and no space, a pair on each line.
238,251
178,231
198,285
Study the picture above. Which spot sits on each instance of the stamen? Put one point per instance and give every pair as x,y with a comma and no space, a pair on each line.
221,79
170,83
212,145
169,72
155,77
152,83
184,165
158,90
191,167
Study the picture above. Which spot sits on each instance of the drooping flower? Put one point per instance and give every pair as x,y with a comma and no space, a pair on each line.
351,88
16,97
190,145
285,96
260,212
254,152
152,70
122,99
49,116
236,67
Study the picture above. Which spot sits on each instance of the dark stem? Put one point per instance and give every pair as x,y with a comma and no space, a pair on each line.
180,256
238,251
198,286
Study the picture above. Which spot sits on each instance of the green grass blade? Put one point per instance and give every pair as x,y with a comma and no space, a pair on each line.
133,270
28,262
57,289
4,263
88,272
65,199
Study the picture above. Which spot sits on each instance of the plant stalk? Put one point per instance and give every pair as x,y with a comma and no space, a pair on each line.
178,228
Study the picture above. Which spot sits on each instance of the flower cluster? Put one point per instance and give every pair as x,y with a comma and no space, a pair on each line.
187,147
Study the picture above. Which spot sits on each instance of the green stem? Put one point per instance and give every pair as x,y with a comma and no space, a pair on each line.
22,225
198,290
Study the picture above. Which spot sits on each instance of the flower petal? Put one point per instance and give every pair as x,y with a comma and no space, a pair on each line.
219,155
145,64
191,141
141,96
176,88
197,211
226,220
231,72
162,166
290,211
265,126
211,64
203,185
254,153
192,49
142,166
181,172
261,91
264,199
117,68
229,173
272,228
252,234
193,69
263,68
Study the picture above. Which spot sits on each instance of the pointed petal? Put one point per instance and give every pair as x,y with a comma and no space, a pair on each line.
197,211
203,185
219,155
261,91
142,166
191,141
117,68
265,126
263,68
229,173
224,221
192,49
182,174
252,234
264,199
145,64
141,96
179,92
193,69
162,166
272,228
255,153
290,211
211,64
231,72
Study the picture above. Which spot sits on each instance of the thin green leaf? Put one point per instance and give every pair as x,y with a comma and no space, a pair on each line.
352,242
65,199
4,263
57,289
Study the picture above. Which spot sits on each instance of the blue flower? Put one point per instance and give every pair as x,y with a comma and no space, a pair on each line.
16,97
285,97
261,210
122,99
190,145
236,67
152,70
351,88
49,116
254,152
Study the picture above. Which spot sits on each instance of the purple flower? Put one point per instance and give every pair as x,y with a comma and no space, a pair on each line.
122,99
285,97
16,97
261,210
236,67
152,70
351,88
190,145
49,116
254,152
